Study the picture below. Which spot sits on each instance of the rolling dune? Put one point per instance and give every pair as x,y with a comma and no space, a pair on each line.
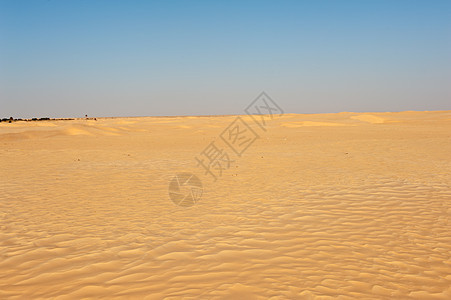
322,206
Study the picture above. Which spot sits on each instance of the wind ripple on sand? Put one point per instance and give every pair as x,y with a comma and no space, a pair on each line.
350,214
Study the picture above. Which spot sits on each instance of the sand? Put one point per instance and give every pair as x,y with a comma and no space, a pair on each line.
327,206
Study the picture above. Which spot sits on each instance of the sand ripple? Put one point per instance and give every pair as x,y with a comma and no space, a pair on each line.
358,211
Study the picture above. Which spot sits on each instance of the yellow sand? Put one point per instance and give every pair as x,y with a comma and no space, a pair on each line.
348,206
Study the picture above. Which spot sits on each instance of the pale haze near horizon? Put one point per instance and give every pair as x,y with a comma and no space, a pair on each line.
112,58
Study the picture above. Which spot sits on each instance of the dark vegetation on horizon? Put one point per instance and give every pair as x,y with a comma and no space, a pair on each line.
11,119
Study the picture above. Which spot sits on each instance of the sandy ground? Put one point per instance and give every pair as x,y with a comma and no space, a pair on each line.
346,205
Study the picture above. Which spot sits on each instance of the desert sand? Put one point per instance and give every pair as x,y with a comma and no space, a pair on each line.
320,206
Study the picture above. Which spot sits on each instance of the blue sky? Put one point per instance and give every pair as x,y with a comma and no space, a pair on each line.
143,58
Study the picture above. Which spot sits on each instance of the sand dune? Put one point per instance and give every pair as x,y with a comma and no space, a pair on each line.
77,128
311,123
325,206
370,119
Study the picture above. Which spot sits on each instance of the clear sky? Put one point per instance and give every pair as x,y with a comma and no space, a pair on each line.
143,58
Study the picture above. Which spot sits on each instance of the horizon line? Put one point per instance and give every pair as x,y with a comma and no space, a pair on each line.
209,115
